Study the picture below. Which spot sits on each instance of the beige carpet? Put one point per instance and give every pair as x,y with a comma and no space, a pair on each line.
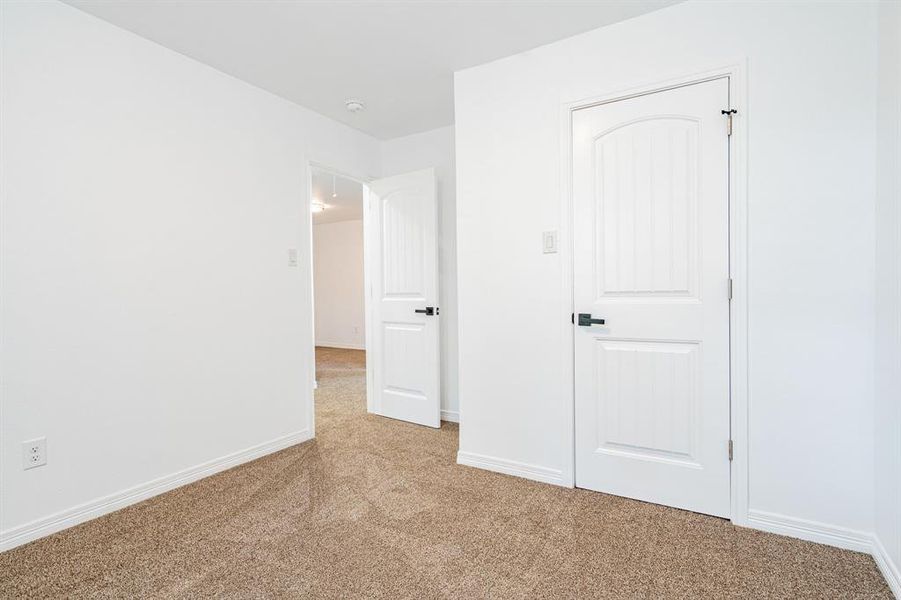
377,508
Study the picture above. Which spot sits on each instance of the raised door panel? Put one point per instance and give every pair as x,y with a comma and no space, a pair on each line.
404,360
647,400
403,245
646,209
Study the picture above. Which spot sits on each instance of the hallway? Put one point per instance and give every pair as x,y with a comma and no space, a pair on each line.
378,508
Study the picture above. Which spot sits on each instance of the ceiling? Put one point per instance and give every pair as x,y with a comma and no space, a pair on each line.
397,57
347,205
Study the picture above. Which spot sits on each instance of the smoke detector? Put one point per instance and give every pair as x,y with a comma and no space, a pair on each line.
353,106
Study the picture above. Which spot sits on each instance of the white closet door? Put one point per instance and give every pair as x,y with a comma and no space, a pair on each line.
651,240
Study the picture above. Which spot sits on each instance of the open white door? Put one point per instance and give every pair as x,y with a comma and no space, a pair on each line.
402,332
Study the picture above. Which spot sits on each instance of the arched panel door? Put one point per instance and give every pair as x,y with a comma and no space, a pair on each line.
403,352
651,277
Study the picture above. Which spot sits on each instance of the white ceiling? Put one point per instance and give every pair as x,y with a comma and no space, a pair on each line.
346,206
398,57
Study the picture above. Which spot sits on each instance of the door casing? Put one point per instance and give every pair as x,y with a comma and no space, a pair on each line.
738,261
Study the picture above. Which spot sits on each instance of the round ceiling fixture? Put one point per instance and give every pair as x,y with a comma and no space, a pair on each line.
353,106
317,206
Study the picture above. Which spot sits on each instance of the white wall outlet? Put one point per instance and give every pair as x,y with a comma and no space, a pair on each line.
549,242
292,257
34,453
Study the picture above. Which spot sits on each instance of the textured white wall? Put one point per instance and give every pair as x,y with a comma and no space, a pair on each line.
888,291
151,322
338,284
811,126
435,148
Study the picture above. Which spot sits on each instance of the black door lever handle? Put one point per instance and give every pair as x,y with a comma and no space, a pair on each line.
429,311
585,320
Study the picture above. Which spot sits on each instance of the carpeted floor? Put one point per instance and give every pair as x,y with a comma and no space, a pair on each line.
377,508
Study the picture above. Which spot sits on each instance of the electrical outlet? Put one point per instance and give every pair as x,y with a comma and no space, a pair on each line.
34,453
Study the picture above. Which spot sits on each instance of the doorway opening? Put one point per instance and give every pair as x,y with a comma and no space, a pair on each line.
339,301
374,260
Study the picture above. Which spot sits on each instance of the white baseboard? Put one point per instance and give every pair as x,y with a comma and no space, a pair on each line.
509,467
812,531
831,535
890,570
450,415
107,504
340,346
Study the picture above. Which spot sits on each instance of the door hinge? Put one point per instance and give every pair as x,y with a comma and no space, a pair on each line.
730,288
729,114
730,450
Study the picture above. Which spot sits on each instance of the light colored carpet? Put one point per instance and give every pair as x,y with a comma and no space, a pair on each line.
377,508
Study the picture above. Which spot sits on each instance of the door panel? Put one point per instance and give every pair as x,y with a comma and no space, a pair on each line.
646,208
651,243
404,212
647,395
401,238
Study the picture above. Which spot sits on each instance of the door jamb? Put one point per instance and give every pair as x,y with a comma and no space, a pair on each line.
738,265
311,164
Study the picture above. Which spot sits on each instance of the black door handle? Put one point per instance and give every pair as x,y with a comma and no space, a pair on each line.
429,311
585,320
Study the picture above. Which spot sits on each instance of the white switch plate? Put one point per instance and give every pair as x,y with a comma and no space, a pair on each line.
292,257
549,242
34,453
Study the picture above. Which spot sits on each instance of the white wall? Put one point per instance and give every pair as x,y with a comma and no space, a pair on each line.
888,294
435,148
810,118
338,284
151,323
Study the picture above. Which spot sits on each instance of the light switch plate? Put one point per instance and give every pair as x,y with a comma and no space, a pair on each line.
549,242
292,257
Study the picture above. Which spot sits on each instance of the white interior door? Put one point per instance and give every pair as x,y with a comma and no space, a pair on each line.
651,243
402,253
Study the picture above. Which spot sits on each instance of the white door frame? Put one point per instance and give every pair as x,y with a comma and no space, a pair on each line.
363,180
738,263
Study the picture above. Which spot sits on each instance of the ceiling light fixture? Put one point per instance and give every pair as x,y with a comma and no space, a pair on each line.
353,106
317,207
334,188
